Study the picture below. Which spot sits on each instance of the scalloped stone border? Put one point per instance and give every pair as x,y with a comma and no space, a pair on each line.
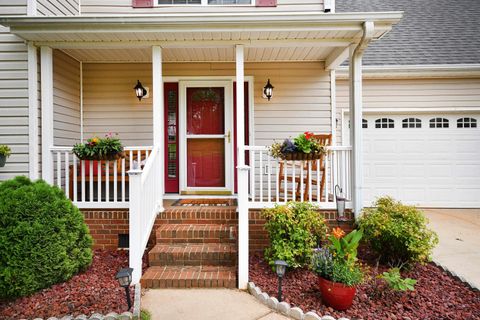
283,307
456,276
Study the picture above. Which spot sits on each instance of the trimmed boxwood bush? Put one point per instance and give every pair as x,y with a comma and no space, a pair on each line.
43,237
294,230
398,233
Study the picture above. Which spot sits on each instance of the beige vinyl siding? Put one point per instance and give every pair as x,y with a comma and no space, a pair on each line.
95,7
13,7
66,99
301,98
405,94
13,94
57,7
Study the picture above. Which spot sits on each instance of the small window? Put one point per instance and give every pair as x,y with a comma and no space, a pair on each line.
364,124
411,123
438,123
466,123
224,2
179,1
384,123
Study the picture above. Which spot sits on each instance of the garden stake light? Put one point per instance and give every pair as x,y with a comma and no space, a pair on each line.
124,277
281,268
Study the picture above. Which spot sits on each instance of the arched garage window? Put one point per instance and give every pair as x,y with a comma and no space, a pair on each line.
384,123
364,123
411,123
438,123
466,123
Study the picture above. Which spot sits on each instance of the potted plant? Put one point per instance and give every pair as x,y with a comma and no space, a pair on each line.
5,152
304,147
338,268
108,148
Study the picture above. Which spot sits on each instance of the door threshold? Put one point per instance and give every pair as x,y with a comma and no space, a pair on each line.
175,196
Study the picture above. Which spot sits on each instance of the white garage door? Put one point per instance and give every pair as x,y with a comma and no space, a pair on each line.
426,160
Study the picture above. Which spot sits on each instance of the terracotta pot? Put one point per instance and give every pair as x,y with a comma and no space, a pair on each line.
336,295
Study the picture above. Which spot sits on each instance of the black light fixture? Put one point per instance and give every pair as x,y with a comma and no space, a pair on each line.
140,91
268,90
124,277
340,199
280,268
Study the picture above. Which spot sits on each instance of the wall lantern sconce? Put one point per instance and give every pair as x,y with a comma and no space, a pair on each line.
140,91
280,268
124,277
268,90
340,199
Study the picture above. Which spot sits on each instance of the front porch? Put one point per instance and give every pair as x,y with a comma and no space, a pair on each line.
298,53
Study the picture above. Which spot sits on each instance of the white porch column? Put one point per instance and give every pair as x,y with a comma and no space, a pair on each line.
356,139
158,114
33,141
242,173
46,70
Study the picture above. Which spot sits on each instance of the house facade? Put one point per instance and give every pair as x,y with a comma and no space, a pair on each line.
68,69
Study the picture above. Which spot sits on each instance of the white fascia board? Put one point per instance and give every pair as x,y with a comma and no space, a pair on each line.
414,71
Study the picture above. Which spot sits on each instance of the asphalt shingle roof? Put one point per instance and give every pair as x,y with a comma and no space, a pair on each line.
431,31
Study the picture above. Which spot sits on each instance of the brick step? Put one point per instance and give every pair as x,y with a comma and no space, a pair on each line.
195,233
189,277
198,215
215,254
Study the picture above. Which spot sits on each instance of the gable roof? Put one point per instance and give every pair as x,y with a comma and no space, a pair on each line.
431,32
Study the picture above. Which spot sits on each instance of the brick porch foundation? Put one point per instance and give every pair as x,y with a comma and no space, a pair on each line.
105,225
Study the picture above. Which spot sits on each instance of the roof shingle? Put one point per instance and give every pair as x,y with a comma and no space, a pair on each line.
431,31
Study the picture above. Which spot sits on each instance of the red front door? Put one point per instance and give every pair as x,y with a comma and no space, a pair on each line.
206,137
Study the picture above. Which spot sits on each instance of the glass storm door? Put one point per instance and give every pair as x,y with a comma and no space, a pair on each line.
208,137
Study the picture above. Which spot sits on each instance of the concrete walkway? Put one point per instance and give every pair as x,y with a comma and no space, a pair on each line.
459,233
211,304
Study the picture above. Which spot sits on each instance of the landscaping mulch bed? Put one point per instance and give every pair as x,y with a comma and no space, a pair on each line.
437,295
95,290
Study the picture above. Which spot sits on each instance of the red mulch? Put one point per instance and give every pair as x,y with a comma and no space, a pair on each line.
95,290
437,295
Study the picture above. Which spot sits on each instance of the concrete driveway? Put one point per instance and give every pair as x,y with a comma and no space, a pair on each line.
459,247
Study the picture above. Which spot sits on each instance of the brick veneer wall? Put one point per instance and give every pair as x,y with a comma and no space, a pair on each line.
106,225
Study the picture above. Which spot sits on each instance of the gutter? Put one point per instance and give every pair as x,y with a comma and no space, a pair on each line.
415,71
318,18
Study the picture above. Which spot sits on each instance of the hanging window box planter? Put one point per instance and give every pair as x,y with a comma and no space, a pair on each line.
304,147
108,148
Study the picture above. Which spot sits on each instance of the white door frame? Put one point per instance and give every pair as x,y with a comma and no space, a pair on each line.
182,108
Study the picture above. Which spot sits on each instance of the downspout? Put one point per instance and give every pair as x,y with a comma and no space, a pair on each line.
356,54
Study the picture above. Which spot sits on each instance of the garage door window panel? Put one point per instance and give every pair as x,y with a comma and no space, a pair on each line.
384,123
467,123
364,124
439,123
411,123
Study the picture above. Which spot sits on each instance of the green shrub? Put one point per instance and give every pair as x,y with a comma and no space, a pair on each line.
43,237
398,233
294,230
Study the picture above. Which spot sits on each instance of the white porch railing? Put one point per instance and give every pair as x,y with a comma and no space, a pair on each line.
277,181
96,184
146,201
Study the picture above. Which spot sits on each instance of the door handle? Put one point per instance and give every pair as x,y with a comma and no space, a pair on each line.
228,136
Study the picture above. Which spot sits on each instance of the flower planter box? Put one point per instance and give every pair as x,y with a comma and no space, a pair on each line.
110,157
302,156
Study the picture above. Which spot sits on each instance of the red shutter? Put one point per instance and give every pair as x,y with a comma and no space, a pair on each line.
266,3
142,3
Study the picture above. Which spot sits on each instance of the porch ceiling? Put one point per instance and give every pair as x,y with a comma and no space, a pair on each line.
266,37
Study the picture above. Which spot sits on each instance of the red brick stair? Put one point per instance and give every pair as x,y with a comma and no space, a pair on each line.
195,248
189,277
186,254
